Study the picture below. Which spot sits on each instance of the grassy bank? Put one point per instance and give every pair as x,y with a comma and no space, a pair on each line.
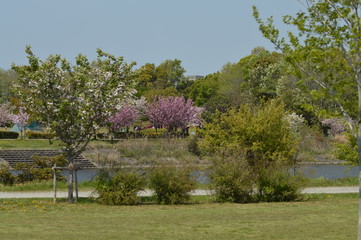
322,217
43,186
29,144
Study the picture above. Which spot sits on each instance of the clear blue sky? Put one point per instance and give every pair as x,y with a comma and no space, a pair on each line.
203,34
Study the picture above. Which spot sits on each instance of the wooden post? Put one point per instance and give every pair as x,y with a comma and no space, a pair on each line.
54,182
76,184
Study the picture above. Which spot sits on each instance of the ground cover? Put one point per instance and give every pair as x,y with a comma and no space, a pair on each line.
29,144
319,217
43,186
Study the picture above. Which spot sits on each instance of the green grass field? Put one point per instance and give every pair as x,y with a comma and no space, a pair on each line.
28,144
322,217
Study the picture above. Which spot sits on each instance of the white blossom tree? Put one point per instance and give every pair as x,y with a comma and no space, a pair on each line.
74,101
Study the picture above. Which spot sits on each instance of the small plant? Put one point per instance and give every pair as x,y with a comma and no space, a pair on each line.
171,184
6,177
277,185
118,189
232,180
193,146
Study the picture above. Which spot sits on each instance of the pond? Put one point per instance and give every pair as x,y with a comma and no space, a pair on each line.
329,171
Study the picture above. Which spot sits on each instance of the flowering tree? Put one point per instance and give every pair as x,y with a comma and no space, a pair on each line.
74,101
173,113
141,107
124,118
5,114
21,119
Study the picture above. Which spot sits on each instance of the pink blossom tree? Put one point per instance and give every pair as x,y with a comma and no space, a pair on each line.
124,118
5,115
173,113
21,119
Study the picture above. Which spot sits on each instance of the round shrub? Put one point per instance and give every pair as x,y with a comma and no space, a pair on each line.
193,146
232,180
6,177
120,188
171,184
278,185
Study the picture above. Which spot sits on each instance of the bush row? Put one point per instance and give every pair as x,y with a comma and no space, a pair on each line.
171,185
40,135
30,135
41,169
147,133
232,181
8,135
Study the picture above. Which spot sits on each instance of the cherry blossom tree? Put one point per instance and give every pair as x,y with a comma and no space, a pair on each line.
173,113
125,117
74,101
21,120
5,115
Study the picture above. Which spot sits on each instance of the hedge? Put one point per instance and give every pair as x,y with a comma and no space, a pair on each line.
40,135
8,135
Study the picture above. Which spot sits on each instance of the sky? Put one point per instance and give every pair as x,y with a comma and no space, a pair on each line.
203,34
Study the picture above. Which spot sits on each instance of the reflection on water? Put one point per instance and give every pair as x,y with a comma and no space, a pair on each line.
330,171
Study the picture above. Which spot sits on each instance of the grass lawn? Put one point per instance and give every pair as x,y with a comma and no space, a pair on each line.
28,144
320,217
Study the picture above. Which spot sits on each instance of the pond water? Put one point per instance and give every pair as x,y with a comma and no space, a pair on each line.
329,171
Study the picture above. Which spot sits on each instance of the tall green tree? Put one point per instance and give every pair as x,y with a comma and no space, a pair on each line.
74,101
169,74
326,50
7,79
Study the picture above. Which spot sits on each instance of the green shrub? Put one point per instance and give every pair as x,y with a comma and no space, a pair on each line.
232,180
118,189
40,135
6,177
120,135
8,135
262,133
172,185
41,169
193,146
278,185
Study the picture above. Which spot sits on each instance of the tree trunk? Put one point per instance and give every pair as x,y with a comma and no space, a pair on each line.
359,157
71,183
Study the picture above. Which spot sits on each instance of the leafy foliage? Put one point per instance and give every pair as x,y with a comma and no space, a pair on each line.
74,101
40,135
325,52
347,151
41,169
277,185
262,134
120,188
244,145
232,179
171,184
6,177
